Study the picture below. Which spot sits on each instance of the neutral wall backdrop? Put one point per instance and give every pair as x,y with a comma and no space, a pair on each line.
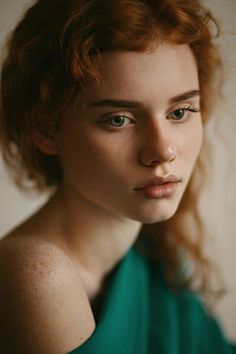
218,204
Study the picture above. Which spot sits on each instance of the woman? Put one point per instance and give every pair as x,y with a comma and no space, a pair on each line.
104,103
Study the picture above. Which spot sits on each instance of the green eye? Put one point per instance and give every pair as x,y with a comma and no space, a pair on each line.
178,114
117,121
182,113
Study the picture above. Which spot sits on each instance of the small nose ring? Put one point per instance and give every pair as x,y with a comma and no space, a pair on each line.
171,152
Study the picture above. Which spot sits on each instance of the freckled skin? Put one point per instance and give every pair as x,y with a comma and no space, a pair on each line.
38,270
116,161
96,214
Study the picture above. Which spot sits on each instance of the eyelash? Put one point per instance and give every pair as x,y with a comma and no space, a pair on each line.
191,109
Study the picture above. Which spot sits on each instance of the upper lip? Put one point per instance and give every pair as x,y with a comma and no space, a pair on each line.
158,180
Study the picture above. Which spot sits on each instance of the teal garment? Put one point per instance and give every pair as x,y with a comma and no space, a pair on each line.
141,315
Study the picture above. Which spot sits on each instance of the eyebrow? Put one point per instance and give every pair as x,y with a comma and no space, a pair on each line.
135,104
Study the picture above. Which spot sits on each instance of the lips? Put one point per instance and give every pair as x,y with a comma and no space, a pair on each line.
157,181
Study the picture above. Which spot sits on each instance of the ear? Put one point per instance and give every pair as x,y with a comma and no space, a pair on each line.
45,141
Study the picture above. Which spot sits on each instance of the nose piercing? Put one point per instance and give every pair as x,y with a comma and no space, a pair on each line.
171,153
167,154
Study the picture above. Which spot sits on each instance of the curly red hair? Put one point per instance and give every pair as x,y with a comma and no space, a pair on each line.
49,58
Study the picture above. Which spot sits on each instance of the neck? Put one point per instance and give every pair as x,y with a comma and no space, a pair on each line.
94,237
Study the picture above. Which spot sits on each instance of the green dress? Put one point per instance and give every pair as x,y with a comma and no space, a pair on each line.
141,315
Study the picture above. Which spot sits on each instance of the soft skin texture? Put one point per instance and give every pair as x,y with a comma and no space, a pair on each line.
96,214
103,164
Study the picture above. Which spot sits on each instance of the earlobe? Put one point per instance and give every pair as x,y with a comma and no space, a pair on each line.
45,142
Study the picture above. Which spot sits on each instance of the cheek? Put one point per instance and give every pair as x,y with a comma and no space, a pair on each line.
99,157
107,148
192,143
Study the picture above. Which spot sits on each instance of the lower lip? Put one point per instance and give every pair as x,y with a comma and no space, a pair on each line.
165,190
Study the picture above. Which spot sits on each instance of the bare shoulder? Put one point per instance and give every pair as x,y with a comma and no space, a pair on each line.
43,304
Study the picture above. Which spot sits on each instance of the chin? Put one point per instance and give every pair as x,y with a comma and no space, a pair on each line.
155,216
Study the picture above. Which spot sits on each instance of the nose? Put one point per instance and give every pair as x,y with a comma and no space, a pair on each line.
157,147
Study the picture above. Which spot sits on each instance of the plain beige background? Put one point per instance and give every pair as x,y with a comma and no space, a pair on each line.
218,204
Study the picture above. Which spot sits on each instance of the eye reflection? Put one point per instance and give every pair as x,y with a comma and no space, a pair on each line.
178,114
118,121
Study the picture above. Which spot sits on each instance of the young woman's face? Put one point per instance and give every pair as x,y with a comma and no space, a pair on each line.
142,121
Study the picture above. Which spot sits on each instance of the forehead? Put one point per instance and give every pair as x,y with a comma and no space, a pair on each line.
166,71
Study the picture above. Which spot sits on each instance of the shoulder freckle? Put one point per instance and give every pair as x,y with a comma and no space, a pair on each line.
51,303
34,257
